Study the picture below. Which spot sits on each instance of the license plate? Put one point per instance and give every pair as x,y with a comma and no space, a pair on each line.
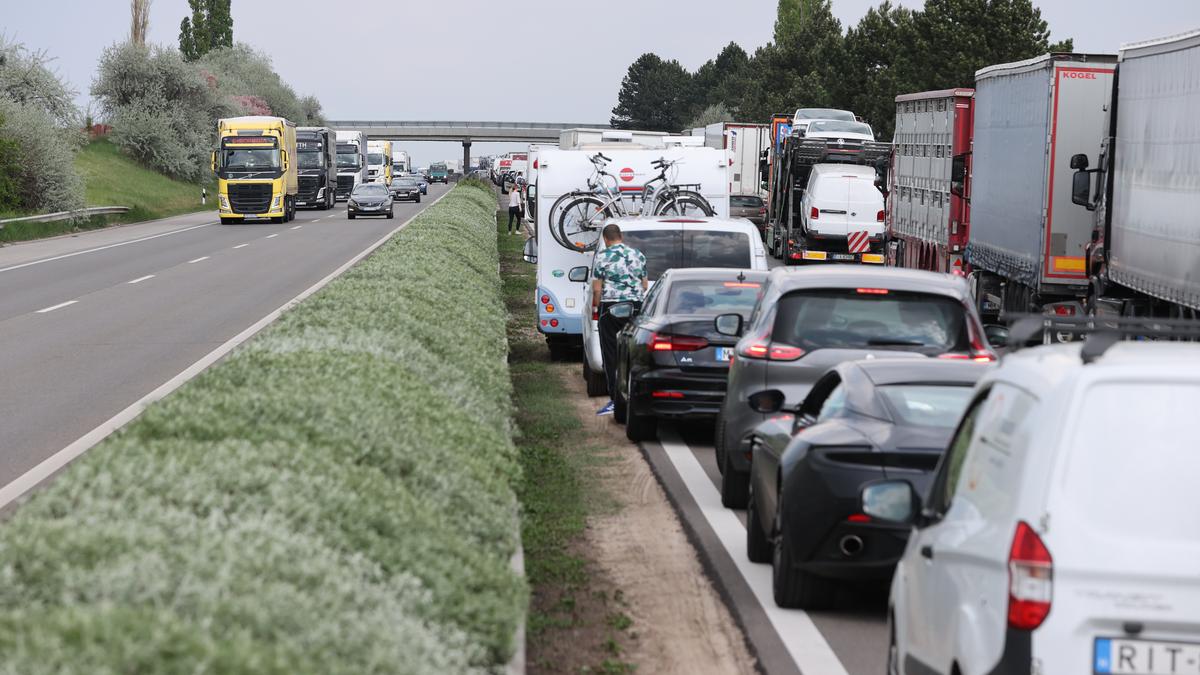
724,354
842,256
1145,657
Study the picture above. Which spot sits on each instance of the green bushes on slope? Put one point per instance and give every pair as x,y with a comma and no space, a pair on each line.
334,497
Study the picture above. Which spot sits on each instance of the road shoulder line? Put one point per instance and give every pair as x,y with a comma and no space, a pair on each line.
21,485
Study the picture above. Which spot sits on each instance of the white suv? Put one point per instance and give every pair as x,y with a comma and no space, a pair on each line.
1062,531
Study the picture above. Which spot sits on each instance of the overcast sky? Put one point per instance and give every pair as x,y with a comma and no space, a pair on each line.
530,60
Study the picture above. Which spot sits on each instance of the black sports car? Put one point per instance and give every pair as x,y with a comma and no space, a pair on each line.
863,421
671,360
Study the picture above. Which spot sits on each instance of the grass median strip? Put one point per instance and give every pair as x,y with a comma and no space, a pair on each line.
335,497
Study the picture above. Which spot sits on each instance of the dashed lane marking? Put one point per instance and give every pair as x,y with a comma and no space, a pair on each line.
60,305
200,259
141,279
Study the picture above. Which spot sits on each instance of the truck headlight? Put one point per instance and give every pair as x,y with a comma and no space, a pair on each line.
275,204
223,201
321,193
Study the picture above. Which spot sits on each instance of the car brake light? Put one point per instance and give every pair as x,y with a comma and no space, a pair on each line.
676,343
859,518
554,323
979,349
1030,579
595,314
879,216
871,291
1064,310
771,352
740,284
814,213
666,394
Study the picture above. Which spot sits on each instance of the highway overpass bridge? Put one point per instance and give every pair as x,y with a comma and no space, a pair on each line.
464,132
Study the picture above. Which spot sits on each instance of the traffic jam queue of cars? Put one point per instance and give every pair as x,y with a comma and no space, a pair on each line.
1007,449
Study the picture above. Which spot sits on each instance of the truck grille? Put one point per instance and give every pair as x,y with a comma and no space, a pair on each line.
345,185
250,198
309,185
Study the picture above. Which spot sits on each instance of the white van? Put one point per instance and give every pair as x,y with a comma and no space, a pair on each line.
668,243
842,211
560,301
1061,533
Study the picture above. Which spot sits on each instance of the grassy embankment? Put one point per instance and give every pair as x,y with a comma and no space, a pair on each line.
576,622
112,179
335,497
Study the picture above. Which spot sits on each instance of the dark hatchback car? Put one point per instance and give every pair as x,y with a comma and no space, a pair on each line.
750,207
672,363
863,421
813,318
406,188
370,199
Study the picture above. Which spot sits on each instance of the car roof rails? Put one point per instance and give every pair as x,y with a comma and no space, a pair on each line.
1100,333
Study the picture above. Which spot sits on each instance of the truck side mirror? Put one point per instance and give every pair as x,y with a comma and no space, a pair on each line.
284,157
958,175
213,161
1081,188
1079,162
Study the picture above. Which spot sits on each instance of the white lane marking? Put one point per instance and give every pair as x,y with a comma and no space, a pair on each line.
102,248
332,216
60,305
200,259
241,246
141,279
52,464
796,629
297,227
272,236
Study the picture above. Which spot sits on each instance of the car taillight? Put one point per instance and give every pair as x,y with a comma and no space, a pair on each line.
770,351
676,343
762,211
879,216
980,351
595,314
814,213
1030,579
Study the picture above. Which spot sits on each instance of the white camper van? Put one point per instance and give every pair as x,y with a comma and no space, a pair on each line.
560,301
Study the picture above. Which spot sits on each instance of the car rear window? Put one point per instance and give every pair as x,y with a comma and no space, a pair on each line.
926,405
666,249
711,298
871,317
745,202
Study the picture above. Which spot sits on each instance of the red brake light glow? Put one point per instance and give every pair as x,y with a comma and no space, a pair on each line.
741,284
1030,579
814,214
879,216
859,518
676,343
871,291
666,394
545,299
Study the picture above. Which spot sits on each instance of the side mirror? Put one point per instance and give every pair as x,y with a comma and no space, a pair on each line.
529,254
213,161
1079,162
729,324
958,175
891,501
997,335
622,310
1081,188
578,273
767,402
284,156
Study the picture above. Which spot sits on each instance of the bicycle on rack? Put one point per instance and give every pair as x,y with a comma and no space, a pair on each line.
576,217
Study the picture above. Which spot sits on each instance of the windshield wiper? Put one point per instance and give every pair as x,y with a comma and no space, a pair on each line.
890,342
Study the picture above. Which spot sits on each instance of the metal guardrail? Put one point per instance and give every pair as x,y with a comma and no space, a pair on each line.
67,215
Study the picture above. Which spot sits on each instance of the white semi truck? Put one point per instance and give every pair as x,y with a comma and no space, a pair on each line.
351,161
401,162
379,162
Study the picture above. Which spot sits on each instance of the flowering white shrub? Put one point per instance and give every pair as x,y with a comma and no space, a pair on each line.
334,497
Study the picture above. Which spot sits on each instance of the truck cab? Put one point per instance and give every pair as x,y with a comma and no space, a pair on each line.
351,162
438,173
255,165
316,157
379,162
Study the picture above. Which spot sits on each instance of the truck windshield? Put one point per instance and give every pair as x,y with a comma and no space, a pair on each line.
348,157
250,159
375,158
309,160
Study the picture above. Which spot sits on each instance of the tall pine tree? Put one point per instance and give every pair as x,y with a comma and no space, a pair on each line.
210,27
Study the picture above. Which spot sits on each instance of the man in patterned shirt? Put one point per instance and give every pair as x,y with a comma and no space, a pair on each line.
618,276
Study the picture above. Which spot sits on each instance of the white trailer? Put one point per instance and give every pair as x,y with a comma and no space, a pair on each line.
1028,242
744,144
559,300
351,161
401,163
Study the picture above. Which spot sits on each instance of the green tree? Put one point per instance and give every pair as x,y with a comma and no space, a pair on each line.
210,27
655,95
791,17
879,65
801,69
712,114
721,81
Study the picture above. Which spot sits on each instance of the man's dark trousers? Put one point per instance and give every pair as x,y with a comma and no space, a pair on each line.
609,326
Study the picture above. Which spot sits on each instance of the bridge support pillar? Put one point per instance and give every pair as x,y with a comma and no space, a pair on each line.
466,165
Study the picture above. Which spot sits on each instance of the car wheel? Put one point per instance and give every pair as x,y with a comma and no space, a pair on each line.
734,485
391,213
597,384
418,199
638,426
719,443
758,546
350,216
893,661
794,589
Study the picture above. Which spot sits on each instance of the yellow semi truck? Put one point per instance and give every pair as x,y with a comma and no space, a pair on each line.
255,164
379,162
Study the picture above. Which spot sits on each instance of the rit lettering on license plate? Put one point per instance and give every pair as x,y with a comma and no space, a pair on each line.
1144,657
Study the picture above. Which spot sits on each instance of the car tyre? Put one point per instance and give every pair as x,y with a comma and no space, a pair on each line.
719,443
893,658
638,427
350,216
792,588
597,384
735,485
758,546
227,221
391,213
418,199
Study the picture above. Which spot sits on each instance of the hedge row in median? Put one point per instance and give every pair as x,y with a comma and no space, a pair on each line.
335,497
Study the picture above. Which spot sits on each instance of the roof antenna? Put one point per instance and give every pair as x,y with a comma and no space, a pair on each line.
741,276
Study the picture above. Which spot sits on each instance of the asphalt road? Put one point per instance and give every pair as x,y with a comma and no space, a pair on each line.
849,640
90,324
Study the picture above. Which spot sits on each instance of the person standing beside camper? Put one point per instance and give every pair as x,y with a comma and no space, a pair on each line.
619,275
